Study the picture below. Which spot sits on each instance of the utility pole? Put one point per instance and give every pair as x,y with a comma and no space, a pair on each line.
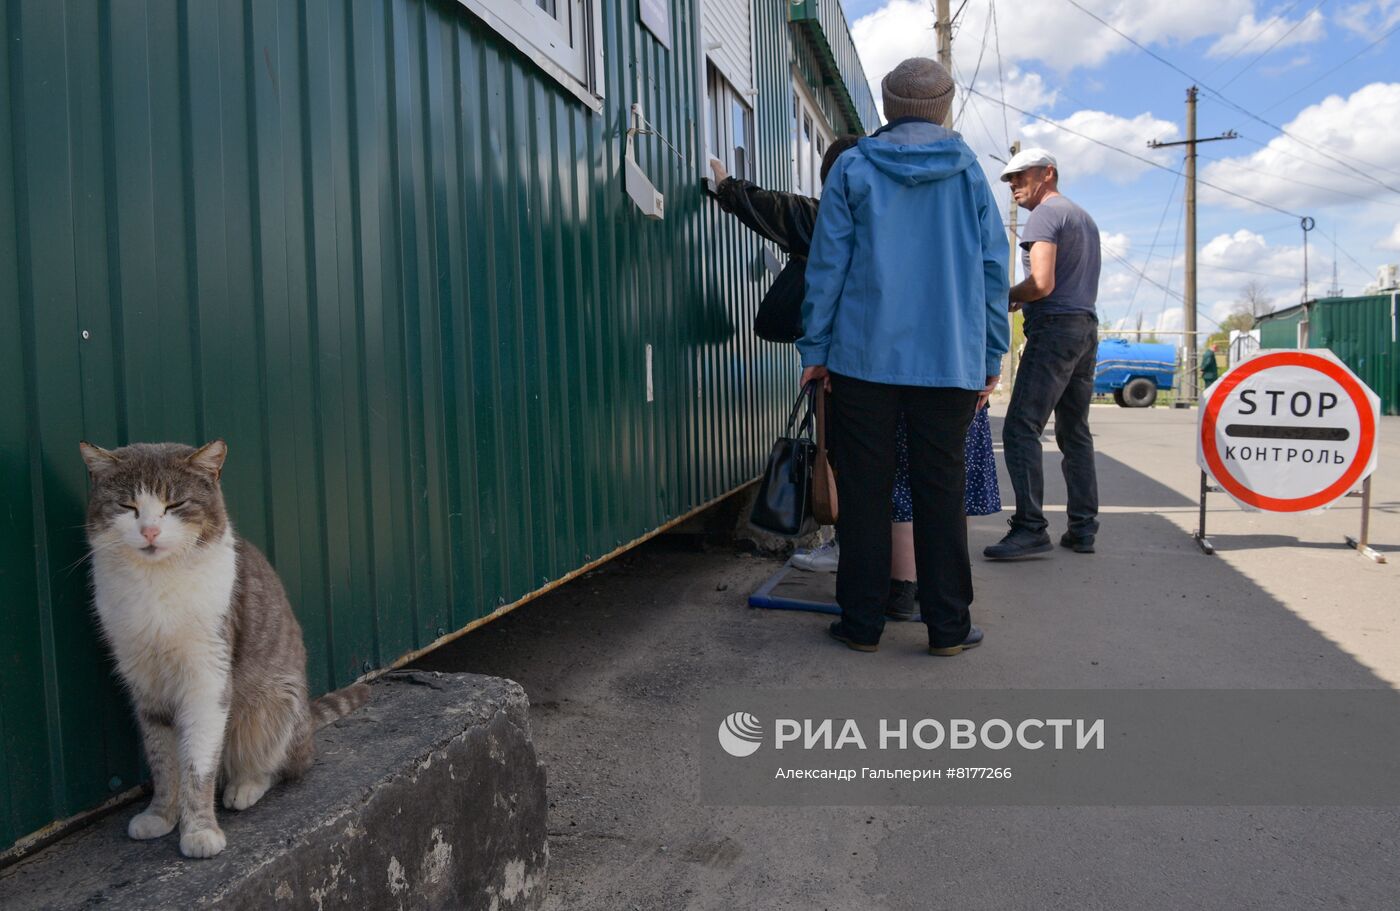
1188,385
945,47
1014,361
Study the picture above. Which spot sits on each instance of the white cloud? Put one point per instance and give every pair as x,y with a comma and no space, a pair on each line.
1279,69
1080,157
1391,242
1288,174
898,30
1065,40
1370,17
1226,265
1256,37
1115,243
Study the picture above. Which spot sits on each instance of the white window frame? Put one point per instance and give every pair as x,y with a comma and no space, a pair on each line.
568,45
811,135
722,103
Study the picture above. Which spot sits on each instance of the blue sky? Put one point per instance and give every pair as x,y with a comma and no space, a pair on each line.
1059,63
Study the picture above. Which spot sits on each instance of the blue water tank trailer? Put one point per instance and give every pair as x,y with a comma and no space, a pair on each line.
1133,371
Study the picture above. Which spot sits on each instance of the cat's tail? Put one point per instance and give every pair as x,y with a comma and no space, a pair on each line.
338,704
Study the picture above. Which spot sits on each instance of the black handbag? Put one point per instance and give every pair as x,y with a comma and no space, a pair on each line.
779,317
784,503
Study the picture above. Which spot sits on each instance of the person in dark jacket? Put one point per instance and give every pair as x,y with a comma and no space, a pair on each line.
1210,369
787,220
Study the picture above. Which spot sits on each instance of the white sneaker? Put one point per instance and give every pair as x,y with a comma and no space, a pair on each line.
821,559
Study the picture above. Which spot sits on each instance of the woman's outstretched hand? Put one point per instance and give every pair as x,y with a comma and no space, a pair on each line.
717,168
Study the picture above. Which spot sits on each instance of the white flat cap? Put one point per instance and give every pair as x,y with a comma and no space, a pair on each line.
1028,158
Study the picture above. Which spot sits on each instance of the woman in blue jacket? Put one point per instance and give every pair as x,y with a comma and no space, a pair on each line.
905,313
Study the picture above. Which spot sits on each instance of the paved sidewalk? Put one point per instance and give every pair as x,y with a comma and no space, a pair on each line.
616,665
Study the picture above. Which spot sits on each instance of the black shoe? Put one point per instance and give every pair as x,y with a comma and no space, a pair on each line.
1084,544
1019,543
838,632
974,639
901,604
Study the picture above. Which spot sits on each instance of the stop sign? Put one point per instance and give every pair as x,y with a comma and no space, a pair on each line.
1288,431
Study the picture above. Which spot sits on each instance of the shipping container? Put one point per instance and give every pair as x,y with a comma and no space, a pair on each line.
386,250
1363,331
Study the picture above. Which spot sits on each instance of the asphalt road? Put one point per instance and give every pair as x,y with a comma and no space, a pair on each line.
617,662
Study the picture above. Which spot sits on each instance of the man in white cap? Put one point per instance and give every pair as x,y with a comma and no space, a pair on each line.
1060,255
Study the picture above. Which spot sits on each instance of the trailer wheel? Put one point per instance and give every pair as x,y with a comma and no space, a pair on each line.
1118,398
1139,393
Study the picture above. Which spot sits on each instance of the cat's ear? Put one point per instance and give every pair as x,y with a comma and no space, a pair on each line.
99,461
209,458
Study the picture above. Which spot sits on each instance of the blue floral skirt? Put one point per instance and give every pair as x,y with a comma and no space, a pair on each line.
983,497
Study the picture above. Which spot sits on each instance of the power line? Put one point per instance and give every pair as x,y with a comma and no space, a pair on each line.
1176,294
1250,114
1142,276
1277,41
1171,265
1171,197
1255,37
991,140
1333,70
977,69
1215,268
1133,155
1296,157
1001,77
1302,183
1364,271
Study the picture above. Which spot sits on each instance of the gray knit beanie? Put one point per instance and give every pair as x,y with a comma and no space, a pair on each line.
918,87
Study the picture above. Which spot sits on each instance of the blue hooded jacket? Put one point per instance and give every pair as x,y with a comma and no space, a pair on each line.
907,282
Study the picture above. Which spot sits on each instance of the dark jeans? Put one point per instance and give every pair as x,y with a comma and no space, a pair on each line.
1056,375
865,417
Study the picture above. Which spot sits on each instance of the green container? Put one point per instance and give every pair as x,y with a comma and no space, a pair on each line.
1363,331
372,245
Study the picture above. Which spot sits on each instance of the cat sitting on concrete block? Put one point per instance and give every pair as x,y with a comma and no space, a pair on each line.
204,639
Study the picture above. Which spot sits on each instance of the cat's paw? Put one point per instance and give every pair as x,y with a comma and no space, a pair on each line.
202,842
240,795
148,825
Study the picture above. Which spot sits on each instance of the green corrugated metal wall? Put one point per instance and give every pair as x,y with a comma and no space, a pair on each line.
1280,330
369,244
1363,331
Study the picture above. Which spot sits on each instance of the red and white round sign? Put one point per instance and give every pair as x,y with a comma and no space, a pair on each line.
1288,431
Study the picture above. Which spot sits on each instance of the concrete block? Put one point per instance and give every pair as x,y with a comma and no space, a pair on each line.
430,796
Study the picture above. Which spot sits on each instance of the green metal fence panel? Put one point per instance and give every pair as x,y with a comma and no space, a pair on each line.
375,248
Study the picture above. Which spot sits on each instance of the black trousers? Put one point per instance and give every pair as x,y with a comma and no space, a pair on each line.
1056,376
864,426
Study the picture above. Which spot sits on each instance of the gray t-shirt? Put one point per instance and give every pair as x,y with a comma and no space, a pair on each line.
1076,240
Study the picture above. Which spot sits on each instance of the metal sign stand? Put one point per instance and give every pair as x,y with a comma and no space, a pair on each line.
1361,545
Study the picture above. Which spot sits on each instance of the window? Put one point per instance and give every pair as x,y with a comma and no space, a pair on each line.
810,137
729,136
562,36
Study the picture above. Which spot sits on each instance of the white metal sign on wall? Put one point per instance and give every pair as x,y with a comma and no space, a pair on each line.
1288,431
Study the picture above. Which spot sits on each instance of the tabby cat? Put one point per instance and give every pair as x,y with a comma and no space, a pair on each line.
203,636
